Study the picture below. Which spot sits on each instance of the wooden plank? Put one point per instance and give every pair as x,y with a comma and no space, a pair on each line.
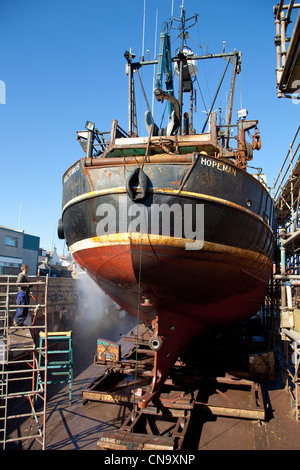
125,440
236,412
19,338
236,408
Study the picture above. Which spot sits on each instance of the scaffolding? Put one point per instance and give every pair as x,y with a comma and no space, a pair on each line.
287,50
287,278
20,355
286,190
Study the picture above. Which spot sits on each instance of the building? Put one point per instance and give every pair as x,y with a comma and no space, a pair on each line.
49,257
16,248
50,263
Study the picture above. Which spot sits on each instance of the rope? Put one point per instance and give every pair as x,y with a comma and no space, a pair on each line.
137,335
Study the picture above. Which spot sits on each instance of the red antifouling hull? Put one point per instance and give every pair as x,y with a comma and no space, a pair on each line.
189,291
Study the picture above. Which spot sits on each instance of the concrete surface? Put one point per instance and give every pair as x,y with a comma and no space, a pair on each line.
77,426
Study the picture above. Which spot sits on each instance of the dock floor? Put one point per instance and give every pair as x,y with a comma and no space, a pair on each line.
77,426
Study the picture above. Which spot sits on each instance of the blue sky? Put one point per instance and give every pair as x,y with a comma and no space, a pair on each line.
62,62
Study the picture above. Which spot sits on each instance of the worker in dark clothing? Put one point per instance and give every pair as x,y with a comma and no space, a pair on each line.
22,296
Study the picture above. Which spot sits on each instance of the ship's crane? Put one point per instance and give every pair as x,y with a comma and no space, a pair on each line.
184,69
165,67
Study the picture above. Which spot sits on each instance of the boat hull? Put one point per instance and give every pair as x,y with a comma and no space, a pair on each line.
204,261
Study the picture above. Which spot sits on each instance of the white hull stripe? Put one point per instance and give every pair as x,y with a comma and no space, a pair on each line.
172,192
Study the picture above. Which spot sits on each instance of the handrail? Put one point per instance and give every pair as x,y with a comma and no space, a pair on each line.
281,179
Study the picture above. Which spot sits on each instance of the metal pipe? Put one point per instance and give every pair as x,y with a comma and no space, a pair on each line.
283,38
144,93
289,12
277,26
279,8
292,334
90,142
226,55
282,271
289,277
117,161
229,113
186,124
129,68
291,238
292,190
191,108
289,295
180,94
286,7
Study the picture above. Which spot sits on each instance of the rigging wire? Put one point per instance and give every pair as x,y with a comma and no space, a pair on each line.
143,41
154,66
137,334
163,116
201,94
203,64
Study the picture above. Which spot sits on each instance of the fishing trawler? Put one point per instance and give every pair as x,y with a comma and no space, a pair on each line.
171,224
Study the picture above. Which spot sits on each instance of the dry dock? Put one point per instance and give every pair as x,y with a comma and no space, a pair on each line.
80,424
211,412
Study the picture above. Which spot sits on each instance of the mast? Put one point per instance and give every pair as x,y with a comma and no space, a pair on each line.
132,120
181,56
235,70
186,70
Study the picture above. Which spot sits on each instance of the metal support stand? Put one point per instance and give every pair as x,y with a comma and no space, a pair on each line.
292,369
163,424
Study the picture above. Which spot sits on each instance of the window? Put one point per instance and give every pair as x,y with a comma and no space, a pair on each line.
11,265
11,241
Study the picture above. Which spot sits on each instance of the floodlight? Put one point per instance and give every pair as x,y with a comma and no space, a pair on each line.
90,126
242,113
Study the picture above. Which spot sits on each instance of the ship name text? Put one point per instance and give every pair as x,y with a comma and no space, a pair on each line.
71,171
218,165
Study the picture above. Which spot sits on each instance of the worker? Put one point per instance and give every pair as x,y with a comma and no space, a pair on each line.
22,296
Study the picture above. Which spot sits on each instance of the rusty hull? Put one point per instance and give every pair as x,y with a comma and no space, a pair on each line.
220,281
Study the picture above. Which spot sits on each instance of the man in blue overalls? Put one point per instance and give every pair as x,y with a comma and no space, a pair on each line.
22,297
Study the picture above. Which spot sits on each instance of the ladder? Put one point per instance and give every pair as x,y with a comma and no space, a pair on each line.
19,358
292,367
3,361
62,363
